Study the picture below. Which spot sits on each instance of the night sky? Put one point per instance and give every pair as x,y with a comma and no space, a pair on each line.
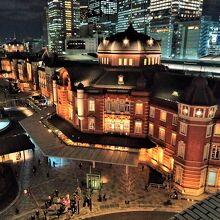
25,17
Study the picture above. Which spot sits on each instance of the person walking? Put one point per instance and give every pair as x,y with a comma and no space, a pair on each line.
37,214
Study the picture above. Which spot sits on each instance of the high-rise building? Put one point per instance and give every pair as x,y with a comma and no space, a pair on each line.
135,11
76,17
61,22
83,14
165,17
103,15
182,8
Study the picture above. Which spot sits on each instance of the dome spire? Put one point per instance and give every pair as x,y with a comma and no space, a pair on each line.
131,12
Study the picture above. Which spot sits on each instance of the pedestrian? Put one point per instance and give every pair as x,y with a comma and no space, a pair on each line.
16,211
80,166
48,175
32,217
54,164
37,214
143,168
104,197
56,193
45,213
39,162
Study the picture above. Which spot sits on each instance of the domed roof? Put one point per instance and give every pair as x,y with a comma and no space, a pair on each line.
199,93
80,86
129,40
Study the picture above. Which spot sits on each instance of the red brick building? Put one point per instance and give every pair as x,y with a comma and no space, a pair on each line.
129,94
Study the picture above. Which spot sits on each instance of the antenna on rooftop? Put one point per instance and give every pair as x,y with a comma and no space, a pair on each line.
131,8
14,38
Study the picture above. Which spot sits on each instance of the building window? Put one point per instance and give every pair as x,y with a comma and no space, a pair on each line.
91,105
151,129
215,155
145,61
108,105
139,108
125,61
130,62
217,130
175,120
211,112
178,174
183,128
212,178
162,133
138,127
209,131
199,113
107,60
163,116
91,123
202,178
127,107
120,61
173,139
181,149
206,151
152,112
185,110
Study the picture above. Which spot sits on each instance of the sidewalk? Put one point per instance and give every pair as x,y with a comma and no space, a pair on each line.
65,179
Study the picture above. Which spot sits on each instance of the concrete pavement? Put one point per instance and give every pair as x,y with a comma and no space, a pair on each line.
116,186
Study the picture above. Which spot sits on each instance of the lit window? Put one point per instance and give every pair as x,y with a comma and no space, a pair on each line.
108,105
217,130
199,113
175,120
125,61
173,139
145,61
209,131
152,112
138,127
185,110
178,174
91,105
120,61
212,178
149,61
211,112
152,61
162,133
183,128
181,149
163,115
130,62
139,108
91,123
107,60
215,155
206,151
151,129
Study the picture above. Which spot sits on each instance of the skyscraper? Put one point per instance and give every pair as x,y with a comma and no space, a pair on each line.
165,17
60,19
103,15
182,8
135,11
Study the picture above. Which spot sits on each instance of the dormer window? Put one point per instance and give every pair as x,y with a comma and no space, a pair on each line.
120,80
185,110
199,113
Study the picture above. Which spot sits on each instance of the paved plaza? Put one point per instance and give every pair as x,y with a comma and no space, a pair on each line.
116,186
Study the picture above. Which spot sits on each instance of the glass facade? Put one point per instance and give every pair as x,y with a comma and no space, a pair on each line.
135,11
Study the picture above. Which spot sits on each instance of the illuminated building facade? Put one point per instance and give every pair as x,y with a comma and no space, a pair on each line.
63,22
137,11
13,47
171,120
103,15
165,17
182,9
